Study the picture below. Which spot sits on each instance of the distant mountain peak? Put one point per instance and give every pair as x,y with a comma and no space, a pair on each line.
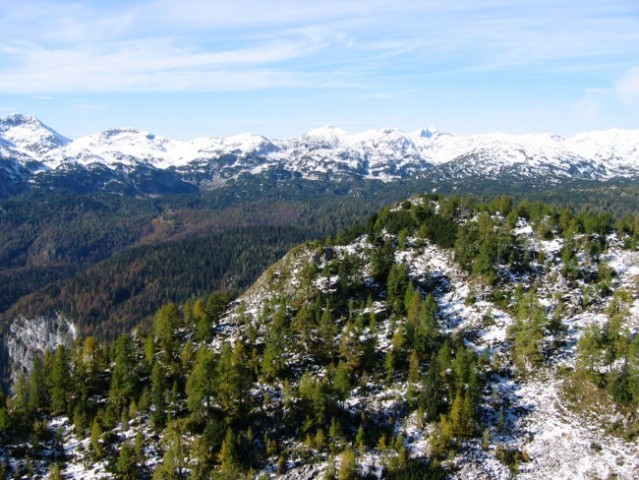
326,152
14,119
29,135
425,132
326,131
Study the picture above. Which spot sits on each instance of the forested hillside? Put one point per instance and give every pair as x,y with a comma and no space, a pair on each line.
447,338
108,262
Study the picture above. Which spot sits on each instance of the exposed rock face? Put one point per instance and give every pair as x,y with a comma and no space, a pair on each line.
27,337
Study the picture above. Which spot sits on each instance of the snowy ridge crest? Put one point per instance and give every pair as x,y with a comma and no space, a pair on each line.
386,154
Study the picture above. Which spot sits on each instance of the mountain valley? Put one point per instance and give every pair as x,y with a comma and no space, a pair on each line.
154,325
448,338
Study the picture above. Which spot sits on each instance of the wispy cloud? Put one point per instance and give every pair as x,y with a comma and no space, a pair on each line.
386,60
619,101
88,106
59,47
156,64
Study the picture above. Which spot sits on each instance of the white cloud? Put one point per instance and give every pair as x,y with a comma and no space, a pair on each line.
163,45
154,64
627,87
88,106
590,108
614,105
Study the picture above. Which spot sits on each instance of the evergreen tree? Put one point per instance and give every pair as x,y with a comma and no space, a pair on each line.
202,321
396,286
59,380
348,465
38,394
165,324
158,396
589,348
341,382
124,378
96,440
382,260
233,380
216,304
174,459
228,457
56,472
126,467
350,347
432,395
466,245
200,384
427,332
325,347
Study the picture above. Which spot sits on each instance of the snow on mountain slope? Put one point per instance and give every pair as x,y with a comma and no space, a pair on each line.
127,146
557,439
28,135
528,421
383,154
243,145
386,154
617,149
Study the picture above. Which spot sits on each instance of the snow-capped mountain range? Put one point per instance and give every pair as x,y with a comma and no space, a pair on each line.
31,153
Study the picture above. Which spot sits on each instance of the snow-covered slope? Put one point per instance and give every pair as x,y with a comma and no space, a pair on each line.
29,135
533,418
386,154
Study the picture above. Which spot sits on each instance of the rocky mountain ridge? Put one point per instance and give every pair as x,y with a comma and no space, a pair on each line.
124,159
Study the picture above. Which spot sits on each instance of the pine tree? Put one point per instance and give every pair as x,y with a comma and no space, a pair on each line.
200,383
38,394
360,439
228,457
95,442
589,348
56,472
124,379
126,467
341,382
202,320
431,397
232,380
396,286
427,327
413,367
382,260
327,334
348,465
165,324
158,397
335,433
216,303
59,380
174,459
5,421
271,360
350,347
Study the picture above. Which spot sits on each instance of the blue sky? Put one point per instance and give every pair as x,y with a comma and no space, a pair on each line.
189,68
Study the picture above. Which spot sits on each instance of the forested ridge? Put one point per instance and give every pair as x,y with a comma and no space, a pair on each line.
390,349
108,261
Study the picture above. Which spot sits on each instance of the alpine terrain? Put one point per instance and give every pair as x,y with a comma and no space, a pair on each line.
447,338
124,160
